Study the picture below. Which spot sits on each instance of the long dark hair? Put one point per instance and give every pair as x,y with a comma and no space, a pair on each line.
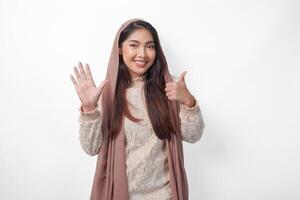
154,88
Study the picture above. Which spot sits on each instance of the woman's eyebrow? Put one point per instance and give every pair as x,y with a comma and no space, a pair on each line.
139,42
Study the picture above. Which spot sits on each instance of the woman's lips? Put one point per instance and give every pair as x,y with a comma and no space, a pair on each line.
140,63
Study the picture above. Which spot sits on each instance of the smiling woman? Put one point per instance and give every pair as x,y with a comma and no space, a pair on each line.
136,120
138,52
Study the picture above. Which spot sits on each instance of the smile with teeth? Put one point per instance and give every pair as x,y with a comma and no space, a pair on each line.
140,62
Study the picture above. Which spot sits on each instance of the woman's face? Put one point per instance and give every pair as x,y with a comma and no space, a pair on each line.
138,52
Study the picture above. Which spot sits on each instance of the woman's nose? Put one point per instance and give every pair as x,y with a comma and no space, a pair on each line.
142,52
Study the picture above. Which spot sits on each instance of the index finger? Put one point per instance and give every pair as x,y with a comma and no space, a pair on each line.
170,84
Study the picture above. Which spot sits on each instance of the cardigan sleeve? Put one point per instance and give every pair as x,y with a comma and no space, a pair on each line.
192,123
90,134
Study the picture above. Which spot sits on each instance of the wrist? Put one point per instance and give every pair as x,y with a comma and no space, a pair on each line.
190,102
87,108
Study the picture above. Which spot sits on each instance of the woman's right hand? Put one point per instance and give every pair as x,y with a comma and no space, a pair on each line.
85,87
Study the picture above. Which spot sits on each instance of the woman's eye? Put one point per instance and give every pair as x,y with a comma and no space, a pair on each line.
133,45
151,47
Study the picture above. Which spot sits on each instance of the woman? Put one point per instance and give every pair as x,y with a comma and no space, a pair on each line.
136,119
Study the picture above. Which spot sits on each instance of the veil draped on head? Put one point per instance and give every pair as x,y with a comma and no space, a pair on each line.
110,180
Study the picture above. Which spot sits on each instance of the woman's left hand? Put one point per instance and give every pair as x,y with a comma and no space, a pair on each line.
177,90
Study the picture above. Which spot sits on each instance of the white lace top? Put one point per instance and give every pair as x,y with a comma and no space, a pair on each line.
146,159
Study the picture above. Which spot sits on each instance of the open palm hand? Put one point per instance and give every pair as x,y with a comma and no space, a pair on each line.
86,89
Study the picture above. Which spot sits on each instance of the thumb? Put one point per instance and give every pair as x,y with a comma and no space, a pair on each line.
181,77
102,85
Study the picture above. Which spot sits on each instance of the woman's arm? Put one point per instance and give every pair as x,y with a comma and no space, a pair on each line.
90,134
192,124
90,119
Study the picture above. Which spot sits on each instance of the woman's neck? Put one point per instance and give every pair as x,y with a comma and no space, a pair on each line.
138,78
137,81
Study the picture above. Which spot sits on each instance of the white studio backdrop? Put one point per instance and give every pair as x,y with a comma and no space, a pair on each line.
242,61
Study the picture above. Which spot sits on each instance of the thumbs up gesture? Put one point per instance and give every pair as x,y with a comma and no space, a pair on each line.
177,91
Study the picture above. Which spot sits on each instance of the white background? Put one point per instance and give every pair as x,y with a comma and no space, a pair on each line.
242,61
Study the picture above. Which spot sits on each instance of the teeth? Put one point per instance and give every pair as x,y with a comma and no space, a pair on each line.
141,62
